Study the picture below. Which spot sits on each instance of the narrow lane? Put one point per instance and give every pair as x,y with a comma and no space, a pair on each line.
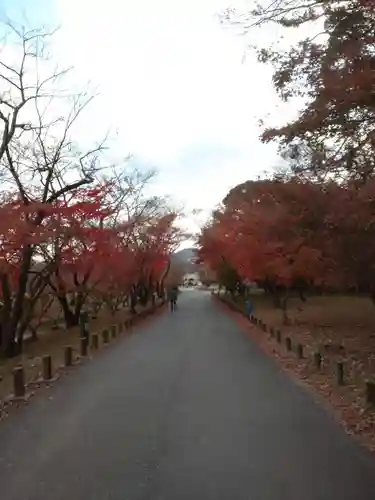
188,408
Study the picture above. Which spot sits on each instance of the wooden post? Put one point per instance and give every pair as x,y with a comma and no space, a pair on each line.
95,341
317,360
114,331
272,331
278,336
19,389
300,351
68,355
370,392
288,343
47,367
340,372
83,346
264,327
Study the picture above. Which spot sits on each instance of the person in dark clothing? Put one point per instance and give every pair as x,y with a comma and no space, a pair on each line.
172,298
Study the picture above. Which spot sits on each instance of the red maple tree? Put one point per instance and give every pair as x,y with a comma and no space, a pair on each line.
295,235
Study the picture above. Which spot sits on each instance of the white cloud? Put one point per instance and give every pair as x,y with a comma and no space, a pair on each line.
170,71
173,88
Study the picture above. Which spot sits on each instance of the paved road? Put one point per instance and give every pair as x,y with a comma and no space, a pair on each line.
186,409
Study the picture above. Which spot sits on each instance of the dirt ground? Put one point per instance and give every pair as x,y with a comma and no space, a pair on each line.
52,342
342,329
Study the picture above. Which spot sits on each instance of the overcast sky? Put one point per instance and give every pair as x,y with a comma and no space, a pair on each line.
173,88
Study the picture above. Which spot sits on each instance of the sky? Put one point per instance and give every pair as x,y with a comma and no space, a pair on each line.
174,89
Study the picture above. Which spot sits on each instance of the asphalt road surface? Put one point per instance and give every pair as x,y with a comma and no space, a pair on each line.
188,408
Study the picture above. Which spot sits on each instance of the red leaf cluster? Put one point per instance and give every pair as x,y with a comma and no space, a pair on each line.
314,222
73,237
286,232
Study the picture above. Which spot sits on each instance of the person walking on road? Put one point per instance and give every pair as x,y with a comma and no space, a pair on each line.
177,292
172,297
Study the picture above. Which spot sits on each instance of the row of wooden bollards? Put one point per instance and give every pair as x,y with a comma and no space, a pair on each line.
19,379
317,358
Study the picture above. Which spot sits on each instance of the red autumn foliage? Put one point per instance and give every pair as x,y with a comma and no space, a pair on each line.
290,232
71,228
316,223
76,252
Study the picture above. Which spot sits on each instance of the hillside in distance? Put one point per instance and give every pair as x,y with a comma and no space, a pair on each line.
186,259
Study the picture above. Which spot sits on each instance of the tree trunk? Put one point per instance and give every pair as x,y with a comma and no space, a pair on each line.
284,305
81,297
34,334
143,294
276,300
69,316
22,327
162,281
274,293
10,347
301,294
133,300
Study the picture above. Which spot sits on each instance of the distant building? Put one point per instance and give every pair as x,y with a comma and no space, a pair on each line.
191,279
